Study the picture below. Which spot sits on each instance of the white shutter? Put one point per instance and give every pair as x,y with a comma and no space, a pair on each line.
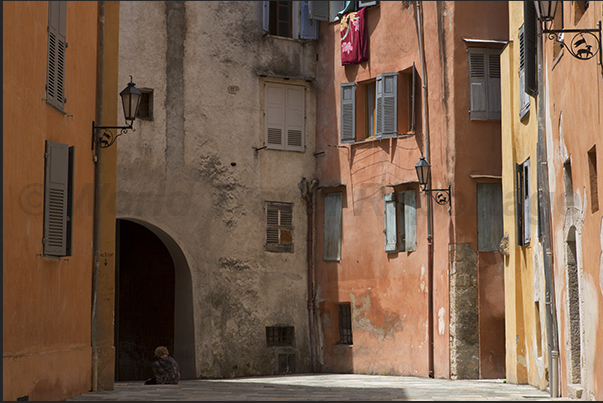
348,112
274,116
478,83
387,105
294,118
389,200
318,10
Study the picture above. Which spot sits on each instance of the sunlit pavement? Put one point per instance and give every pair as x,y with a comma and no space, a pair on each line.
322,387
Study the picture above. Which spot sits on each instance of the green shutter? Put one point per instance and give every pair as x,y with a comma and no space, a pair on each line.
389,200
56,199
410,220
348,112
332,226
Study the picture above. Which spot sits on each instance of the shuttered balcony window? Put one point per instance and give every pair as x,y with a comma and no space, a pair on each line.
279,227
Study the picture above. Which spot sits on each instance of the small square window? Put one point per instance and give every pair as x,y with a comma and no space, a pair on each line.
280,336
145,108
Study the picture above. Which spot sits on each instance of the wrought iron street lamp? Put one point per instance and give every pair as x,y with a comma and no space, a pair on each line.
423,171
130,98
585,44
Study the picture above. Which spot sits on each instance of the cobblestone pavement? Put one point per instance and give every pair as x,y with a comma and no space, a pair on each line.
322,387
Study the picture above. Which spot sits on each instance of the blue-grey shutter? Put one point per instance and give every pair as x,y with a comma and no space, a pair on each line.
478,84
309,26
71,169
519,211
56,197
530,47
410,220
527,222
266,16
274,116
362,4
494,101
55,77
489,216
334,8
524,98
348,112
390,223
294,117
318,10
386,112
332,226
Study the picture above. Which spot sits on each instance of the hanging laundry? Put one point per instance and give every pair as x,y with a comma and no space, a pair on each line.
353,38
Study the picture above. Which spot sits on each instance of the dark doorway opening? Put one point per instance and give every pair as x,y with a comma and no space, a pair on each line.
144,303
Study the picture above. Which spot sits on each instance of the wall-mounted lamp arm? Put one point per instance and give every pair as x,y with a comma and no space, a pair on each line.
579,47
441,197
104,137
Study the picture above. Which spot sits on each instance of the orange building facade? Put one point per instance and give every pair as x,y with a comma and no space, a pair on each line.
405,285
51,80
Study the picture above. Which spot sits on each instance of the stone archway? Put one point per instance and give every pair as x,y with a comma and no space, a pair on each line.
153,301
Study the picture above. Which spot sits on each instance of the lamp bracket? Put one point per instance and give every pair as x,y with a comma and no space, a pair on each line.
104,137
582,43
441,197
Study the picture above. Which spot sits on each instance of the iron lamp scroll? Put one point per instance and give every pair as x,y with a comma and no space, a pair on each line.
104,136
423,168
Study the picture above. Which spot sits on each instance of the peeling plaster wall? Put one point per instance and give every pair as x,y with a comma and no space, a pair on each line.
192,171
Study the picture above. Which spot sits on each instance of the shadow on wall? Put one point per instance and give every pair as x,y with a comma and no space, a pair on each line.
153,301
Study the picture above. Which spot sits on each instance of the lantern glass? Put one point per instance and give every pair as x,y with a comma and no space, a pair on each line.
423,169
545,10
130,97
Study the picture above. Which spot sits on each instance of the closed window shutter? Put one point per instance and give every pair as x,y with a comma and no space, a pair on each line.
55,78
348,112
279,227
309,27
69,246
266,16
410,220
332,226
387,105
275,116
318,10
524,98
294,118
478,83
526,203
530,47
367,3
489,216
494,84
56,197
389,200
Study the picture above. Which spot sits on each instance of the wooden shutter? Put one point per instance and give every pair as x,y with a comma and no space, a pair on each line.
71,169
527,222
334,8
524,98
529,15
295,117
318,10
309,26
275,116
332,226
410,220
519,212
478,84
489,216
56,197
413,107
493,89
390,223
279,227
55,77
387,105
266,16
348,112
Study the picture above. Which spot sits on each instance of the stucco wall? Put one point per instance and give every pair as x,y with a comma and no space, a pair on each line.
193,171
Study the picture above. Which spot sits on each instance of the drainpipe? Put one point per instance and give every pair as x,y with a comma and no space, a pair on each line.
429,207
544,201
97,200
307,190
